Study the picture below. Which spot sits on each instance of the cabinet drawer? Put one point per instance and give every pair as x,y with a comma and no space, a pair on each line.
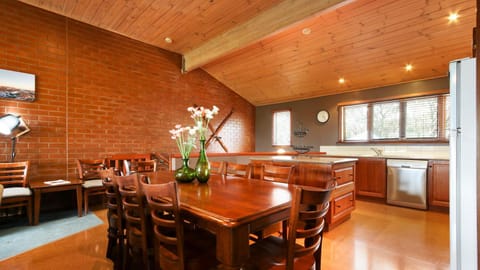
342,204
343,175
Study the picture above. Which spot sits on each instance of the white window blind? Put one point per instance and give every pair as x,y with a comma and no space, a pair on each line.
355,122
421,119
281,128
386,120
410,119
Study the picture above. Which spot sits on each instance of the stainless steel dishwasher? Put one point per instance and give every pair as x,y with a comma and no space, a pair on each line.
407,183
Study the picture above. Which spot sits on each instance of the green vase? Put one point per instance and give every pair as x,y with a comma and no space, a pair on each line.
185,174
202,169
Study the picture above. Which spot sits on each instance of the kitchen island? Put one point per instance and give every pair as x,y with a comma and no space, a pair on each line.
315,171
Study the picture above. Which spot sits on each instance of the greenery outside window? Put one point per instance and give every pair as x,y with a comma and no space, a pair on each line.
281,128
422,119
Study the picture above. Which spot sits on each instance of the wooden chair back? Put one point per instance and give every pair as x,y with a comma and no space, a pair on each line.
307,221
16,193
14,174
88,169
237,169
168,230
217,167
116,227
137,225
139,166
276,173
117,161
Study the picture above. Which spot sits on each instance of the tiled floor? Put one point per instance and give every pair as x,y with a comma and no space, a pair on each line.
376,237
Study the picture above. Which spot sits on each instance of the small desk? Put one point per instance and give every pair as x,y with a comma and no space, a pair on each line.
40,187
232,208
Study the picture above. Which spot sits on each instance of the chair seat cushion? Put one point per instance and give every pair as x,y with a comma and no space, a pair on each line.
92,183
16,192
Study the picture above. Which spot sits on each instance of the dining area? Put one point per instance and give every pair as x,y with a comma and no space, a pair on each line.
226,211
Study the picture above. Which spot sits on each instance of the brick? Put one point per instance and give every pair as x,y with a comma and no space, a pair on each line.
103,94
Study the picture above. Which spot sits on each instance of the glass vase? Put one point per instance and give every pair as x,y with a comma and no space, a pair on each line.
202,169
185,173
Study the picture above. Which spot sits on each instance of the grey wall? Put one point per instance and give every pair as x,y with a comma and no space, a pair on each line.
305,112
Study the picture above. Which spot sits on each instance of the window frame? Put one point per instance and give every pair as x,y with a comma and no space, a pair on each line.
441,120
274,141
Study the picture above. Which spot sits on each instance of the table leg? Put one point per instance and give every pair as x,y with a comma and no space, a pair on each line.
233,247
79,200
37,194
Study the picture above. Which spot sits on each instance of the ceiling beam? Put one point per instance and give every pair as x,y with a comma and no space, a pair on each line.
267,23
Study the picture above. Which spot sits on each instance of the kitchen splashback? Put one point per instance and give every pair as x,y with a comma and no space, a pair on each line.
393,151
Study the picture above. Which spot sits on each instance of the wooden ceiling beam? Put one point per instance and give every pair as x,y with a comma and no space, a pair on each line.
267,23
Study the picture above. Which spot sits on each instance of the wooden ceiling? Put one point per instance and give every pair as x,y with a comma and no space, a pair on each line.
258,48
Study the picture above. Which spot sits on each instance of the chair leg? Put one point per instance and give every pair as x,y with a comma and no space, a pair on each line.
112,242
85,202
29,211
284,229
318,254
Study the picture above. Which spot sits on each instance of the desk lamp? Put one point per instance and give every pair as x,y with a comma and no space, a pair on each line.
14,127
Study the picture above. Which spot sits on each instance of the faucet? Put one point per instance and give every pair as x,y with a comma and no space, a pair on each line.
378,151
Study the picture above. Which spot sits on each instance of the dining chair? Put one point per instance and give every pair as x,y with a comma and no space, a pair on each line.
238,169
118,160
88,171
276,173
217,167
177,246
302,249
137,223
16,193
116,222
139,166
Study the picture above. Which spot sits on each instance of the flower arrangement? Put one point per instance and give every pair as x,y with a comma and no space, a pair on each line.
202,117
185,138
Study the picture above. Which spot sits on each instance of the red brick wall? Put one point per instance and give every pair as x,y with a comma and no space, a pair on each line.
99,93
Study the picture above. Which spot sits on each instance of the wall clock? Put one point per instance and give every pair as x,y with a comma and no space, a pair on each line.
323,116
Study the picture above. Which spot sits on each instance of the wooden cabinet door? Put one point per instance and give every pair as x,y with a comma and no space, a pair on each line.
438,183
371,177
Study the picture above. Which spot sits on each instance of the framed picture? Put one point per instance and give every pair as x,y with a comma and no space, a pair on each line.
17,85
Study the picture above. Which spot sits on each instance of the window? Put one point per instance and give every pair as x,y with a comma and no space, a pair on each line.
281,127
412,119
386,120
355,124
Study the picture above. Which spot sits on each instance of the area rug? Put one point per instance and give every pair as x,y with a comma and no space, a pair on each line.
53,226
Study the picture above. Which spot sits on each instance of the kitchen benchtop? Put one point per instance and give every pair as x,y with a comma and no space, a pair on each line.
307,159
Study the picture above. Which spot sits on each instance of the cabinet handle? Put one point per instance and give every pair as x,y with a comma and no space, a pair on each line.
338,206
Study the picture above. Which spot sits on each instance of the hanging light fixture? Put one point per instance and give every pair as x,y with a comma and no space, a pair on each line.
13,126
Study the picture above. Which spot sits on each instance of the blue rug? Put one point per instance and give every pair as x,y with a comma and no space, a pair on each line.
53,226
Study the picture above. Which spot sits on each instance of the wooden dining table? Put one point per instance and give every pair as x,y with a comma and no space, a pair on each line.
231,208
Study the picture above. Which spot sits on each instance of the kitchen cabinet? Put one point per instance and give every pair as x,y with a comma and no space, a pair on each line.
317,171
438,183
371,177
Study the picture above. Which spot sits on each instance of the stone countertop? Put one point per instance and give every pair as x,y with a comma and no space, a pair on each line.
307,159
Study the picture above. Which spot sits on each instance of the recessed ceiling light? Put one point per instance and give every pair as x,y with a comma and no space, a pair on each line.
168,40
306,31
341,80
453,17
408,67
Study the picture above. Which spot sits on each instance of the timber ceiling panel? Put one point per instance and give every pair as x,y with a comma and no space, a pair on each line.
257,48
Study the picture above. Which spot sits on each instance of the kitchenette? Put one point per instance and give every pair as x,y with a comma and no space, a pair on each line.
414,176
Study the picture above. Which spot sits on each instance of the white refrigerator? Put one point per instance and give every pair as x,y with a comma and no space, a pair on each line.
463,165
